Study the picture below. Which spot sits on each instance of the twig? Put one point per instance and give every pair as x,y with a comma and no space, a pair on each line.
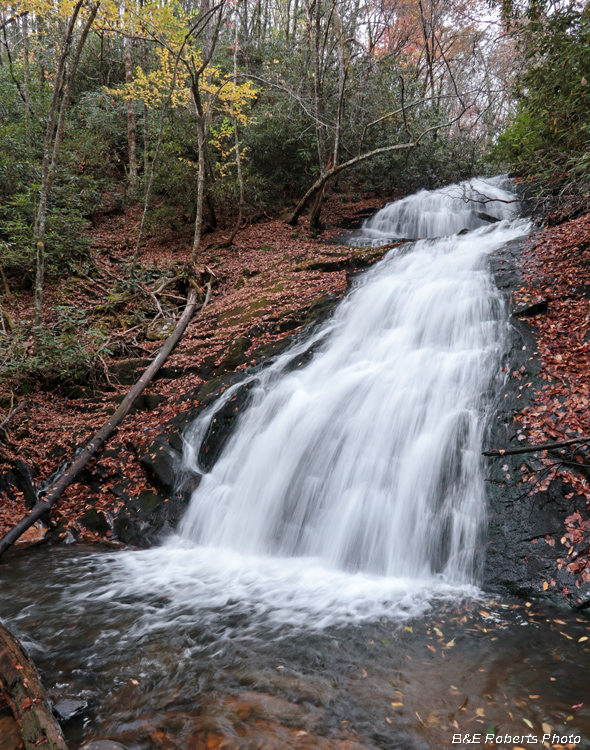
12,414
534,448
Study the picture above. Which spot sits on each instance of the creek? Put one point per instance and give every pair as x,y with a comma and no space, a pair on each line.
322,588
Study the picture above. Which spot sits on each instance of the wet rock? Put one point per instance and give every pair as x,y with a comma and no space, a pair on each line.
67,708
222,424
486,217
522,539
21,476
103,745
161,463
529,311
95,521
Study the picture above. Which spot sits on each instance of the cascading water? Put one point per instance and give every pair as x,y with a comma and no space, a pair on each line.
435,213
351,487
368,457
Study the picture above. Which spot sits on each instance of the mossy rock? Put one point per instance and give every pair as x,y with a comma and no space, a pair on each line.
244,313
160,331
127,371
149,500
236,354
95,521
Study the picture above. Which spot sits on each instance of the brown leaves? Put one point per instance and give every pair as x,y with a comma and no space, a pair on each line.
554,266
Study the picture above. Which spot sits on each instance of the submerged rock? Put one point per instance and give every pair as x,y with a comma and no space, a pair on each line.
67,708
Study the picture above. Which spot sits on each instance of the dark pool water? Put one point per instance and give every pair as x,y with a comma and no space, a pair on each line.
466,667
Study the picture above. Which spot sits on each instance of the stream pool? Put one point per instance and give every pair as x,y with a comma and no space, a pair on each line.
157,676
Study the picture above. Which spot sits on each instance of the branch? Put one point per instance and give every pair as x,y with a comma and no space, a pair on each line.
13,19
403,108
321,181
12,414
534,448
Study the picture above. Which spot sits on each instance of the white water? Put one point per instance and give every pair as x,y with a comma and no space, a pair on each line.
352,487
436,213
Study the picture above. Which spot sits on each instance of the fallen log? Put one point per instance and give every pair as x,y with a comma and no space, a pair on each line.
93,446
534,448
19,680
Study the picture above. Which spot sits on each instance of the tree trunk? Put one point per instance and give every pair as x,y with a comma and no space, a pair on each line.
238,223
26,81
20,682
200,190
92,448
53,139
131,130
143,61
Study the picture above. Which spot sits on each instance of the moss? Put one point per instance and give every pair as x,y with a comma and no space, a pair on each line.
236,353
149,500
244,313
95,521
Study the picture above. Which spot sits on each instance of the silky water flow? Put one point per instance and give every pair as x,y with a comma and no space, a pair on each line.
352,485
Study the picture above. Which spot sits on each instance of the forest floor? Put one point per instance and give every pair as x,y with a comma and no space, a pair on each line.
272,282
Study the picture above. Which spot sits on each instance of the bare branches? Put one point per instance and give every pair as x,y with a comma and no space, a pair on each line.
321,181
535,448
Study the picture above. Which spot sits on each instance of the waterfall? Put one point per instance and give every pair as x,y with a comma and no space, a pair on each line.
352,485
436,213
368,457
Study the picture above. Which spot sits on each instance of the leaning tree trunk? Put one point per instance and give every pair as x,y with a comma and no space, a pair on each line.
92,448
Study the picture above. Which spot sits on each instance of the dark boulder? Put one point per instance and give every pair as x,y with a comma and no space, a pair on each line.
529,311
222,424
161,462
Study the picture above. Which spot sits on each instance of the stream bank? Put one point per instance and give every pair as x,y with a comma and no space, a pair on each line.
536,544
